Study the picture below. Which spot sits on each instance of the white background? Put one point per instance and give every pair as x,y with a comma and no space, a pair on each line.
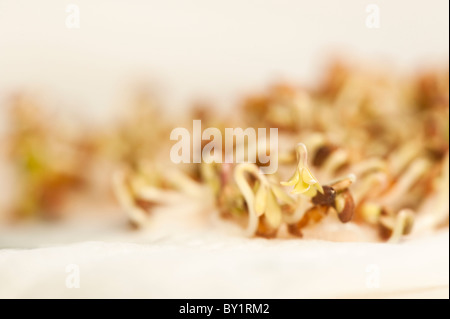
192,49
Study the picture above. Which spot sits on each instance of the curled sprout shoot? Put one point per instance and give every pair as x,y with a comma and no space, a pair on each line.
125,196
262,199
303,180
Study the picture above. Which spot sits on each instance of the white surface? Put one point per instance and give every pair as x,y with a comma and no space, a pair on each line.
187,254
212,266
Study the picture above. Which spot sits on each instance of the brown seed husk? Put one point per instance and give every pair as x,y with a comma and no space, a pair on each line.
346,212
327,198
312,216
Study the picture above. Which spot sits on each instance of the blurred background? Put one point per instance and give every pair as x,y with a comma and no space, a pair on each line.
214,50
189,52
199,51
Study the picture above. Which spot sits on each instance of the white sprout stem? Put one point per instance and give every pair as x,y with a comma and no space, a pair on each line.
185,184
442,197
370,185
334,161
414,172
302,162
123,194
373,164
298,213
350,178
302,155
399,224
436,209
247,192
154,194
403,156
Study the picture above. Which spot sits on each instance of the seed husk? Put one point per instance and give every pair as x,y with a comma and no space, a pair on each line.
264,228
327,198
312,216
322,154
345,206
